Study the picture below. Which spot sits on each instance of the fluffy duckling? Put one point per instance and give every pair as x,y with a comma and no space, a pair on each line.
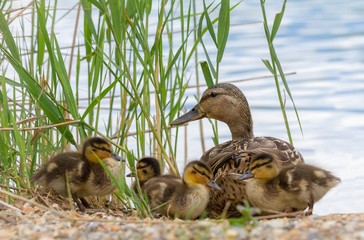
83,171
275,188
226,102
186,198
146,168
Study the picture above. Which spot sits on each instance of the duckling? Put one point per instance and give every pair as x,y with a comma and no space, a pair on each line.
146,168
275,188
83,171
186,198
226,102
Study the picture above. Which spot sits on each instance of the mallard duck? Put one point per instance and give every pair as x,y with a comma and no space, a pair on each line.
186,198
275,188
146,168
83,171
225,102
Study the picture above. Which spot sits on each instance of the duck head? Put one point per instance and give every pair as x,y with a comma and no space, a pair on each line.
96,148
196,172
224,102
146,168
262,167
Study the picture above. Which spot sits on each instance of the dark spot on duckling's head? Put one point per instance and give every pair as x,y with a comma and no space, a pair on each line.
95,140
151,163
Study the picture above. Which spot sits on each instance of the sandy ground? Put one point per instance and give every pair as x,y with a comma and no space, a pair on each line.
29,219
32,222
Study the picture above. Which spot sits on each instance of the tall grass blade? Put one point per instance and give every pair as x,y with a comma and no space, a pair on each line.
98,99
268,65
223,28
207,74
275,67
200,35
209,24
277,21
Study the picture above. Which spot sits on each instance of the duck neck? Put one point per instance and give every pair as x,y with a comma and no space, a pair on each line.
241,127
240,132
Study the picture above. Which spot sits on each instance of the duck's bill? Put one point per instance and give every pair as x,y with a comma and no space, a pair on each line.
116,157
194,114
245,175
213,184
131,175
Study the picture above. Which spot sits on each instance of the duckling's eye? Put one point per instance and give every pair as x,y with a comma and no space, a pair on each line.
269,166
95,148
213,94
145,171
104,149
203,173
194,171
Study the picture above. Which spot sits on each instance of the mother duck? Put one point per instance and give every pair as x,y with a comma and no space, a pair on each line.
226,102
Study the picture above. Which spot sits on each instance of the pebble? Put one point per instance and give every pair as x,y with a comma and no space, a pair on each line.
106,226
5,234
231,234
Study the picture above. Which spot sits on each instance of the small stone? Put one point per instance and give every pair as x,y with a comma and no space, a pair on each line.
93,225
231,234
361,234
5,234
277,223
329,224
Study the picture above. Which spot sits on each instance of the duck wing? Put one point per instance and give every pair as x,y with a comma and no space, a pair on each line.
235,156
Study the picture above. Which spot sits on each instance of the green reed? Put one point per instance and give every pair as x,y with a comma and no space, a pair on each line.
135,75
274,66
124,78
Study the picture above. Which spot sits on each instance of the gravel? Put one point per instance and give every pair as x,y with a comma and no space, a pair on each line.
33,223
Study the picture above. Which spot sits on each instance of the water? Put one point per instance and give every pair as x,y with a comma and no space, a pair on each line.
323,42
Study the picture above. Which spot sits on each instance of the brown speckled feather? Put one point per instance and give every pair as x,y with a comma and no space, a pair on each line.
234,157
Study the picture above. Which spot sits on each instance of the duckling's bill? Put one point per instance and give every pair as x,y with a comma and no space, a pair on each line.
132,174
213,184
114,156
246,175
194,114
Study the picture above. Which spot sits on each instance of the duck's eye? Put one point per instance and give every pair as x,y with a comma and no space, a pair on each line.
145,171
104,149
213,94
193,172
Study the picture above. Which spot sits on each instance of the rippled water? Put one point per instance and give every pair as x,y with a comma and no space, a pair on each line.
323,42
